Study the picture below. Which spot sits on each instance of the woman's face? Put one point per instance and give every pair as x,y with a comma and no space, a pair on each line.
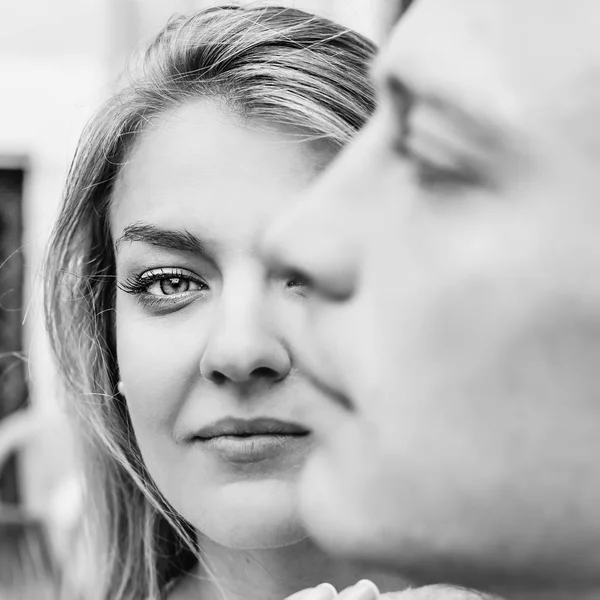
211,388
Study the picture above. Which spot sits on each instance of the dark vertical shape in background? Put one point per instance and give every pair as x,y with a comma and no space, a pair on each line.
28,567
13,388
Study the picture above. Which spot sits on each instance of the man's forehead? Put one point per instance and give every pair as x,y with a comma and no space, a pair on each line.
502,13
524,29
529,48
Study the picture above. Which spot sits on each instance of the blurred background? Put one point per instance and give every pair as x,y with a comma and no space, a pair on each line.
58,61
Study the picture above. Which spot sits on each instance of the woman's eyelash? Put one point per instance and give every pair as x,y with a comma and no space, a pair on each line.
138,284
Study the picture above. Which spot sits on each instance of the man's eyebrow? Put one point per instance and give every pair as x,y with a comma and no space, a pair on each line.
393,12
404,6
173,239
479,126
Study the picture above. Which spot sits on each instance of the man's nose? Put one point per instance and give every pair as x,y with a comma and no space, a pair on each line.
242,347
312,244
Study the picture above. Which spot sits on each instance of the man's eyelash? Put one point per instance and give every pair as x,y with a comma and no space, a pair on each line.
430,174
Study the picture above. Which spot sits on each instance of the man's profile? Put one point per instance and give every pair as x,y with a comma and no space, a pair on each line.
454,320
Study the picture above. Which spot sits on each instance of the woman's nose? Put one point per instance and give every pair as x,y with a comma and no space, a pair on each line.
311,244
242,348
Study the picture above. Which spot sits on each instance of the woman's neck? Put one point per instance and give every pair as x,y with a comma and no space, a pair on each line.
273,574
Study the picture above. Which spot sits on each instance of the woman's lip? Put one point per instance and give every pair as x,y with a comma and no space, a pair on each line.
245,428
253,448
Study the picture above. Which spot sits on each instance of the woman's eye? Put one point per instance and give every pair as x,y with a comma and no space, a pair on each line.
173,285
164,285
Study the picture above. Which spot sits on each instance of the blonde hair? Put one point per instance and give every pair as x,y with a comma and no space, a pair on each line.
271,64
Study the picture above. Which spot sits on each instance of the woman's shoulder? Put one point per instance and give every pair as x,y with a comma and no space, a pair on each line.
173,591
180,589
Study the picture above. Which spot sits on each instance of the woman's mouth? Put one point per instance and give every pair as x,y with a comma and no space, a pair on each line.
251,440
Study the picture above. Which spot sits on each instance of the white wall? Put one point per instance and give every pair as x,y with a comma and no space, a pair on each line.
361,15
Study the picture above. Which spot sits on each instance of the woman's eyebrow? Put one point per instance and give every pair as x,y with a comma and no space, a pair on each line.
172,239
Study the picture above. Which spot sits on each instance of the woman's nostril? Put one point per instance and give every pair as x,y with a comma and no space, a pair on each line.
218,377
260,373
265,373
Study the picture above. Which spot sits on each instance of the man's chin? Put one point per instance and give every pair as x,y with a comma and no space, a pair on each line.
348,521
335,512
344,512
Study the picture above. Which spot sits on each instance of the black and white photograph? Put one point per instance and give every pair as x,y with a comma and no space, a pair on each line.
300,300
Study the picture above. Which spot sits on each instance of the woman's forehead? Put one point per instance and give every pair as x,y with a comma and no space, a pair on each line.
200,170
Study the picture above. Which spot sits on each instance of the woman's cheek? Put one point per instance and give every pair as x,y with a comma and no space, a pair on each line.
158,362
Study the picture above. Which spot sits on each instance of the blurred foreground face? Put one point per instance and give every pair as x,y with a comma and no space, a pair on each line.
454,251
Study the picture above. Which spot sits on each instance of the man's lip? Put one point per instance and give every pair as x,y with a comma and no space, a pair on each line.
315,365
334,394
337,396
232,426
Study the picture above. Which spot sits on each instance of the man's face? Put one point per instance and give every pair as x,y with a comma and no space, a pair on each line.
454,254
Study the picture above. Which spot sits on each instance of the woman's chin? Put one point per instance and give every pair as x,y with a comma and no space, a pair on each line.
260,540
251,517
244,535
